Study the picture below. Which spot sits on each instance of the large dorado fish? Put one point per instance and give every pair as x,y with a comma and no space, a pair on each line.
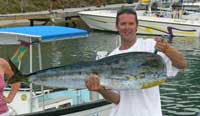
134,70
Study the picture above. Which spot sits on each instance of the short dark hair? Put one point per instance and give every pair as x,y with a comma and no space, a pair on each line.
126,10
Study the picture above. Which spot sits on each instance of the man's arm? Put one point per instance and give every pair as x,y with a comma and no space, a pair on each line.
93,84
174,55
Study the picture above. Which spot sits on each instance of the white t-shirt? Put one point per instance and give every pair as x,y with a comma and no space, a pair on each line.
145,102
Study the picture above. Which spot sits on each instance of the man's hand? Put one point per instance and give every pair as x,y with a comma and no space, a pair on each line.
174,55
162,45
93,83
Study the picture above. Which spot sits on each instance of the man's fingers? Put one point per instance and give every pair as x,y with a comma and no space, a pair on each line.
157,39
86,83
92,83
162,45
97,83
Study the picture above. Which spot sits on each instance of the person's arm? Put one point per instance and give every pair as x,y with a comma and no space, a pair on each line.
93,84
15,86
174,55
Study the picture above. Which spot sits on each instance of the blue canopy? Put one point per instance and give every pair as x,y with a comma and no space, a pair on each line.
46,33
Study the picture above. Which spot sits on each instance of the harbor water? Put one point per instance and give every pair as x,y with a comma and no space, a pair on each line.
180,96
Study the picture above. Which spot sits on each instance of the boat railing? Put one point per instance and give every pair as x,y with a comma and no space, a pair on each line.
173,10
182,15
75,109
39,93
20,89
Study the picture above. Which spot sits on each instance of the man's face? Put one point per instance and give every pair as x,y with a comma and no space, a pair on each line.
127,26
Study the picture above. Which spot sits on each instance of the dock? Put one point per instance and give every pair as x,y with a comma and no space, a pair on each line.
45,16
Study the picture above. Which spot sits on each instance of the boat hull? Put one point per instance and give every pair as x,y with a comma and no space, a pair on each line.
105,20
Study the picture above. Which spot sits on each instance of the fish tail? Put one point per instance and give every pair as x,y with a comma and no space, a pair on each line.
18,76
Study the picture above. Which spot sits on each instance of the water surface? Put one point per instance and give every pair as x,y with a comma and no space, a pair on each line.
180,96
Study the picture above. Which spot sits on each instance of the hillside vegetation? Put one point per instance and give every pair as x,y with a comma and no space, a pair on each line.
16,6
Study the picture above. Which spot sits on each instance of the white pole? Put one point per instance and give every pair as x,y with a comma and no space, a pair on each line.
43,95
40,66
7,5
40,56
19,64
22,5
78,93
31,70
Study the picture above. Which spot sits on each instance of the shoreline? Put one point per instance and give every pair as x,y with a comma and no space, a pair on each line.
23,6
23,19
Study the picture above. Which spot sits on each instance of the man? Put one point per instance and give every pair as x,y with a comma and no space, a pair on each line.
145,102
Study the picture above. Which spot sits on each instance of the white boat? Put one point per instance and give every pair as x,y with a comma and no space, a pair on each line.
194,6
28,100
22,101
148,24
